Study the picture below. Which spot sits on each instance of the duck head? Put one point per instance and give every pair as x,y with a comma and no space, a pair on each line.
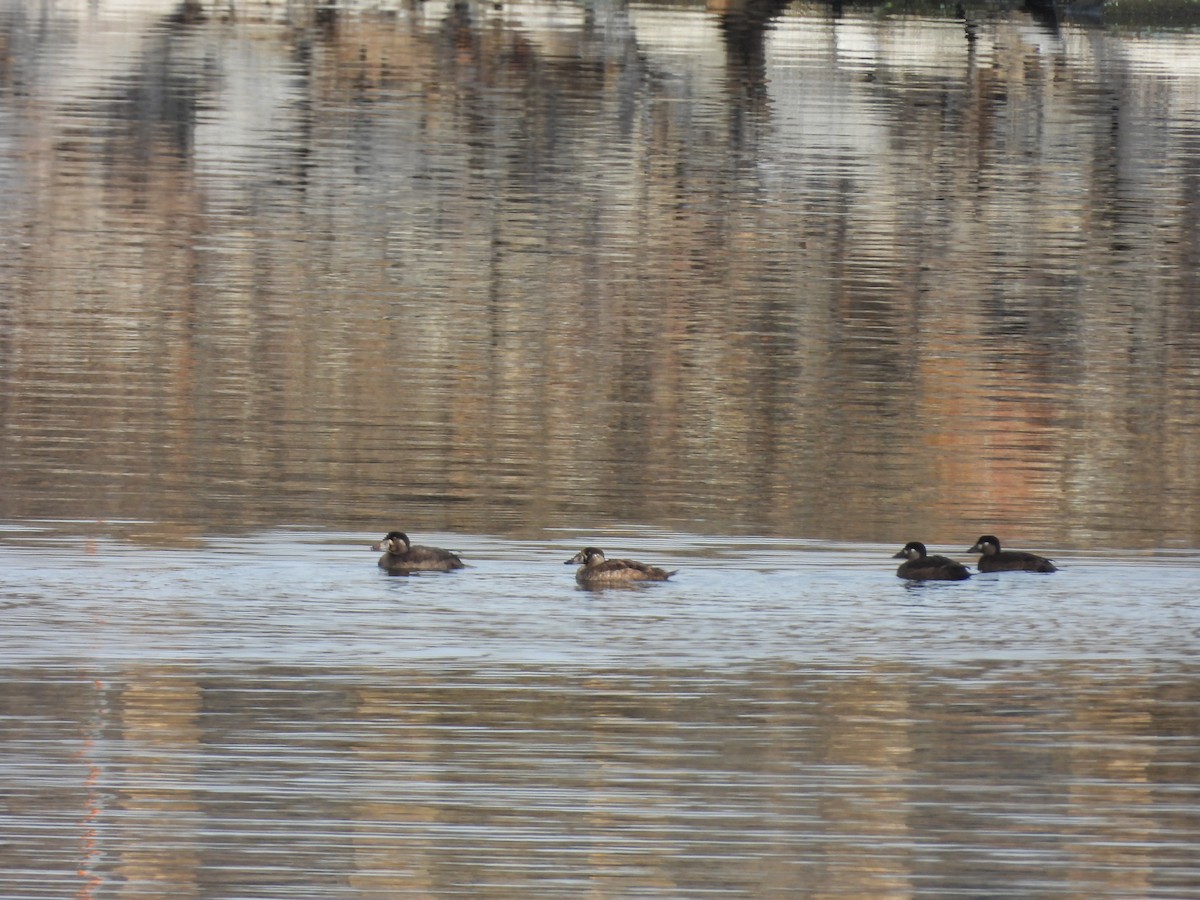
393,542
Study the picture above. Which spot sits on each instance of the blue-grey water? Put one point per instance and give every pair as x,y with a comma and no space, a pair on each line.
758,296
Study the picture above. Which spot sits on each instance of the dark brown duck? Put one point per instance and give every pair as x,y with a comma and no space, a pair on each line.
595,569
401,556
918,565
996,560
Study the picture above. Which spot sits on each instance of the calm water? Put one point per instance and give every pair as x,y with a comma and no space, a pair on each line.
757,301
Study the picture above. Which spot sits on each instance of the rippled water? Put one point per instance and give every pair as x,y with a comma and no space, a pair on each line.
273,716
500,270
287,597
759,296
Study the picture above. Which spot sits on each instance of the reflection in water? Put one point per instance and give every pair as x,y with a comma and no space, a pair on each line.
151,784
270,715
506,269
624,274
872,781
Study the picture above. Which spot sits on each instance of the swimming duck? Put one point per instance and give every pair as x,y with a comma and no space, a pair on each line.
401,557
596,570
918,566
996,560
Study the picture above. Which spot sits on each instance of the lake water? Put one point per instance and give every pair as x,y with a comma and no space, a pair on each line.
757,300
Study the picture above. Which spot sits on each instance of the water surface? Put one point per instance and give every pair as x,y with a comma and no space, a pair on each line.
760,299
498,270
273,716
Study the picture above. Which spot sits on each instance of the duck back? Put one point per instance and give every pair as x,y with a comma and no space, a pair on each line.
1015,561
933,568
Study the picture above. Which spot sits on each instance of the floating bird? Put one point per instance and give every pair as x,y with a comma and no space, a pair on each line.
918,566
996,560
596,570
400,556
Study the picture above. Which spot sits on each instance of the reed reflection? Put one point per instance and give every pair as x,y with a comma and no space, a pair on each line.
153,783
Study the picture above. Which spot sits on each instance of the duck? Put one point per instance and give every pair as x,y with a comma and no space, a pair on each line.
595,569
401,556
996,560
919,566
